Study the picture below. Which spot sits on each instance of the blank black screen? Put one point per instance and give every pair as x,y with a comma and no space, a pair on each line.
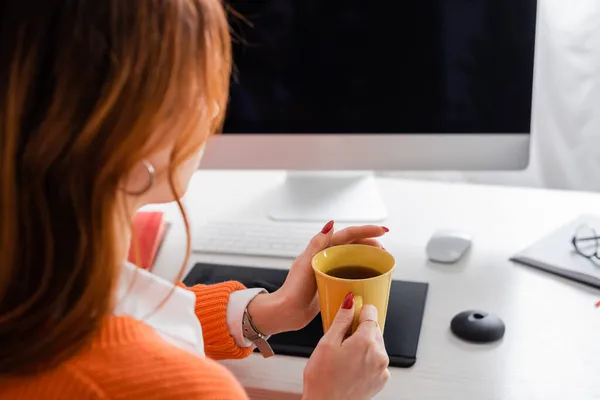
410,66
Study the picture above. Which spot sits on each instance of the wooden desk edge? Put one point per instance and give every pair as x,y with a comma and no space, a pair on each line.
264,394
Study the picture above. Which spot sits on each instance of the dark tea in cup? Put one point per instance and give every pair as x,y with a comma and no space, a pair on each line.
353,272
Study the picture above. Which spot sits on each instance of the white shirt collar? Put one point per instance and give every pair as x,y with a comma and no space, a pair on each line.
140,294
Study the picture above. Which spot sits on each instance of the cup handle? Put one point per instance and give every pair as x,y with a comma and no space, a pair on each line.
358,304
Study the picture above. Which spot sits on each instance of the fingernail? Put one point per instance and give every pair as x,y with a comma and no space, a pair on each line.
385,229
348,301
328,226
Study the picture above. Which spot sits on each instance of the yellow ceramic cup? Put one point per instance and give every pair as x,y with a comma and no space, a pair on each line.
332,290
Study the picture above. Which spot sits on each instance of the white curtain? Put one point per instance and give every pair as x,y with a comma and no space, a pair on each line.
567,113
566,104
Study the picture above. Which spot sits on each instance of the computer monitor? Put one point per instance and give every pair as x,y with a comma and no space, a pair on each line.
361,86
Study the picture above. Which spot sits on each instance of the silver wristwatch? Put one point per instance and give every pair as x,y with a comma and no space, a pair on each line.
254,335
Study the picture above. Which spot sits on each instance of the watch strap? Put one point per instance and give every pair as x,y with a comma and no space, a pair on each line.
255,336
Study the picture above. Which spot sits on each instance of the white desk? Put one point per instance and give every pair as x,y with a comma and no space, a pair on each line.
551,349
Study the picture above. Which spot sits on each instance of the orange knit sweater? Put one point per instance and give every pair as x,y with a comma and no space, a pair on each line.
128,360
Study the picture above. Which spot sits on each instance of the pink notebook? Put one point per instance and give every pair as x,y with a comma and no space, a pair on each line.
149,229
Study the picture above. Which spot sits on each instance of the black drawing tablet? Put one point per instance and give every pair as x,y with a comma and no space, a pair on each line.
402,326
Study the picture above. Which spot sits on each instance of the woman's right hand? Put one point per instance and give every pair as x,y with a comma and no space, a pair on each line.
348,368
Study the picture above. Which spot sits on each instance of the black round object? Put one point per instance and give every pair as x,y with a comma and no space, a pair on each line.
477,326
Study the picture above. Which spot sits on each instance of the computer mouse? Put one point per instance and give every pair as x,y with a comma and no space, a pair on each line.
477,326
447,246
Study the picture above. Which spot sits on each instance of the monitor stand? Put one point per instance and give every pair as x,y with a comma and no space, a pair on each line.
323,196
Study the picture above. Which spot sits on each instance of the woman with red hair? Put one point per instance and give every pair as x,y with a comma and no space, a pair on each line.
106,106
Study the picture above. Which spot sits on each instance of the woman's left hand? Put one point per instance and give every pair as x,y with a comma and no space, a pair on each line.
295,304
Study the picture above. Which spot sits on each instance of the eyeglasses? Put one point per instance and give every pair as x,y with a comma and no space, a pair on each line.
586,242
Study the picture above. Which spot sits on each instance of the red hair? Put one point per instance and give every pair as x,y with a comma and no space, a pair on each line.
92,88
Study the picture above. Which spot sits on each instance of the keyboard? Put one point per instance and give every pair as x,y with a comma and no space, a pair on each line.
269,239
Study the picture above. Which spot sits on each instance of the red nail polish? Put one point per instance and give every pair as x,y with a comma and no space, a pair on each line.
348,301
385,229
328,226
